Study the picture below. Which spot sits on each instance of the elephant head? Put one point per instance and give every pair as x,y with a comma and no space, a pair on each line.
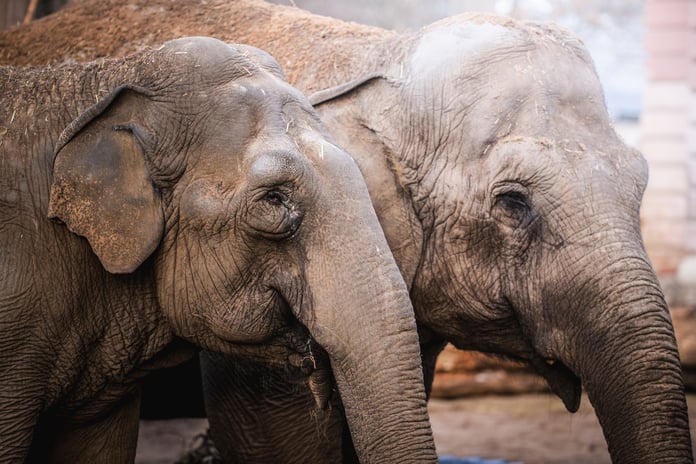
258,230
529,204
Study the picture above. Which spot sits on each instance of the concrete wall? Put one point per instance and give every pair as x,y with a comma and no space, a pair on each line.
668,140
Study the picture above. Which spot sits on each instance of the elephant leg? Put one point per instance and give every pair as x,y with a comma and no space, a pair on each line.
430,350
260,413
111,439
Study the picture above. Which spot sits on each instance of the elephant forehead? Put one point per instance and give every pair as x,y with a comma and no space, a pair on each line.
237,115
279,165
247,92
268,101
570,163
542,151
208,60
448,46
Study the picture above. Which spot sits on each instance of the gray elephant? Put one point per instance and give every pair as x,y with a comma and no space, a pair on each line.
512,208
509,202
197,202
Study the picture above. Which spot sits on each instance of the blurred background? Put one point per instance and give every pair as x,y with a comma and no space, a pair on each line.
645,55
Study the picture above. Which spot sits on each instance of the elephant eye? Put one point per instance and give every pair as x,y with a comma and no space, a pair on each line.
273,214
276,197
512,207
514,202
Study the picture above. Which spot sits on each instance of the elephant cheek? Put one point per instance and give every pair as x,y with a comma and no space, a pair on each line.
253,324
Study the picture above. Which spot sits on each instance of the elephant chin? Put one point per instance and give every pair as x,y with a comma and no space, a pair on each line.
563,382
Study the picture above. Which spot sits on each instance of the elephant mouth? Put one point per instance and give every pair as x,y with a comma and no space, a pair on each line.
562,381
313,361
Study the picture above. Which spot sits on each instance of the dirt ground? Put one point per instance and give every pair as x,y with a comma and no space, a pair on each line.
529,429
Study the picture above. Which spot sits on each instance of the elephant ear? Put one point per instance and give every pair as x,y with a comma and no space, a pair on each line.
102,188
322,96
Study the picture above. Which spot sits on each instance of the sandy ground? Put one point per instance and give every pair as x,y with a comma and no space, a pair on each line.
531,429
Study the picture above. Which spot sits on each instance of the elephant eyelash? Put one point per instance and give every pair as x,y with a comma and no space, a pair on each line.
512,207
276,198
513,201
277,216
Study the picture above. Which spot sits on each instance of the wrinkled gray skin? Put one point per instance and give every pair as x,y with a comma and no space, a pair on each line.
214,209
512,208
509,202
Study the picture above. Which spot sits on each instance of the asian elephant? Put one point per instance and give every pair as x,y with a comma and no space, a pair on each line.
508,200
197,202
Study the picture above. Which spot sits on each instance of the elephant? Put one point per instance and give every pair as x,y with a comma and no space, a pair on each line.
509,202
187,197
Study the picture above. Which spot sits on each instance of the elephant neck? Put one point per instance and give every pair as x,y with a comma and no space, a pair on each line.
105,338
88,329
42,102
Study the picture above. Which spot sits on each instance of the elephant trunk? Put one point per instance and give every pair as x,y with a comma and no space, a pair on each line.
360,313
631,370
373,348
